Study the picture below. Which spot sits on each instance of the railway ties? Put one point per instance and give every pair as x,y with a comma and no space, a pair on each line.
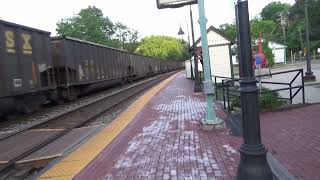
33,147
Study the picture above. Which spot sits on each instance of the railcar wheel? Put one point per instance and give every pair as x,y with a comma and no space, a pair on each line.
29,105
124,81
130,79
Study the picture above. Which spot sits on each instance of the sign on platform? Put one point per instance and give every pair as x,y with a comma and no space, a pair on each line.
161,4
258,60
318,50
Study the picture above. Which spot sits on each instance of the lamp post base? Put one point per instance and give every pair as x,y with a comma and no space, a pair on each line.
253,163
309,76
197,88
212,124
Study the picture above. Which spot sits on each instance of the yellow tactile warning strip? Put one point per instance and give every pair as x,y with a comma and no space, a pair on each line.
77,160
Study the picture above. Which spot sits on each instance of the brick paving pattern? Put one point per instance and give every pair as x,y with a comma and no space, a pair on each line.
293,137
164,141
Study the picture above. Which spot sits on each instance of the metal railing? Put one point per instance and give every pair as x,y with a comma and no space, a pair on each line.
230,90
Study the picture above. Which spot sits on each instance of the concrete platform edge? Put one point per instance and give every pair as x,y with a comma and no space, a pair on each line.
278,170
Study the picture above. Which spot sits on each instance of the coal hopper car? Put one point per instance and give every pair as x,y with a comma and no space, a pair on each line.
26,79
36,69
82,67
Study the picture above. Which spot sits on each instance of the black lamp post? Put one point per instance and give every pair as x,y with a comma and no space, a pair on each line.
197,82
253,163
162,4
309,74
181,33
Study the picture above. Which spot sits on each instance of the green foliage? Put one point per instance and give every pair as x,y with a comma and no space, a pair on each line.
297,14
91,25
268,53
297,18
235,102
271,12
270,26
273,9
163,47
265,27
268,100
127,38
229,30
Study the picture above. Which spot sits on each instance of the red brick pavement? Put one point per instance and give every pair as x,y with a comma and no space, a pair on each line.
293,137
164,141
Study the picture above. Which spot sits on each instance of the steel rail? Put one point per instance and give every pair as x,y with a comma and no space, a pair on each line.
13,161
67,113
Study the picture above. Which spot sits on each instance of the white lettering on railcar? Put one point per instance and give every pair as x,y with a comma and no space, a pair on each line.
17,83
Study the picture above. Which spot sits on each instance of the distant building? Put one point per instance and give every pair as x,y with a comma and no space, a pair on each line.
279,52
220,53
188,66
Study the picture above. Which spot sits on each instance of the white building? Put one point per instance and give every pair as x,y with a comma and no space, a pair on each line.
279,52
220,53
188,66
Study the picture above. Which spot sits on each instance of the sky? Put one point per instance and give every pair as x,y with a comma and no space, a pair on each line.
141,15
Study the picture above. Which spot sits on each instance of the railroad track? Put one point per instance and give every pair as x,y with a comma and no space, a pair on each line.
77,117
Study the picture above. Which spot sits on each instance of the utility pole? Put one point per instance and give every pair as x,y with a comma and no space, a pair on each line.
284,22
309,74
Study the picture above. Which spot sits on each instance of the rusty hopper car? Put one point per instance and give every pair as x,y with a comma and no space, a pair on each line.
36,69
82,67
26,67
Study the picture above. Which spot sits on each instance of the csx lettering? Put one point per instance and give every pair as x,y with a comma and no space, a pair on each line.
26,48
10,43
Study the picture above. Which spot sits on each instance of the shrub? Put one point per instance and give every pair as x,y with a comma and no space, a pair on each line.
269,55
268,100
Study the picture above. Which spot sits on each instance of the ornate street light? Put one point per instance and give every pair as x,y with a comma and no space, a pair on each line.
208,85
180,32
253,164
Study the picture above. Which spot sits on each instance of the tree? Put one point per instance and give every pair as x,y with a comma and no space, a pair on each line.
257,26
273,10
297,19
297,23
89,24
265,27
127,38
229,30
268,53
163,47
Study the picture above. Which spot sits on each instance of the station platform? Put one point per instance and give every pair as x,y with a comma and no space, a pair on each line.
293,138
157,137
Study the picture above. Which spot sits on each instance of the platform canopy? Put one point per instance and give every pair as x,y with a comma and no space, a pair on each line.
162,4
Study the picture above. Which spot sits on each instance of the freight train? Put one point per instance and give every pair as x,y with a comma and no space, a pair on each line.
36,69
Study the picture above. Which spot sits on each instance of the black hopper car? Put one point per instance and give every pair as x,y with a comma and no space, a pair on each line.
36,69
